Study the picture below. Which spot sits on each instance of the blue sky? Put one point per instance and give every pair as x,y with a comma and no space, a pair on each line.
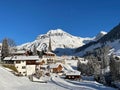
24,20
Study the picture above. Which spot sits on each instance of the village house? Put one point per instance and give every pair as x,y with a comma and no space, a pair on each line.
60,60
25,65
40,62
74,75
44,67
49,57
55,68
40,65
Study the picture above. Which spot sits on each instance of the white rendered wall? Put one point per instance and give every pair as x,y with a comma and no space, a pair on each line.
19,67
30,69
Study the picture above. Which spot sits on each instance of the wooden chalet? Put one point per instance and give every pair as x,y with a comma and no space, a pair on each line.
56,68
42,62
74,75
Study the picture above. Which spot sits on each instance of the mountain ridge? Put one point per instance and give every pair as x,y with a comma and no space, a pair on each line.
61,41
111,39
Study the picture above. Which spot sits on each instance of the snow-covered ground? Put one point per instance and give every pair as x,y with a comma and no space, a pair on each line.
79,85
72,63
10,82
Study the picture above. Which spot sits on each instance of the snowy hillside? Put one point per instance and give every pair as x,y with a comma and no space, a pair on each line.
61,42
114,45
111,39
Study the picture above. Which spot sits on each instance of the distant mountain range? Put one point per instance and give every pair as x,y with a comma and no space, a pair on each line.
62,42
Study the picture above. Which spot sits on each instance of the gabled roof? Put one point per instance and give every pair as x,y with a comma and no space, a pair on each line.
7,58
18,52
14,58
73,73
55,65
49,53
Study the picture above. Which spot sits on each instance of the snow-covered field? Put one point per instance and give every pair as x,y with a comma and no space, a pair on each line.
10,82
79,85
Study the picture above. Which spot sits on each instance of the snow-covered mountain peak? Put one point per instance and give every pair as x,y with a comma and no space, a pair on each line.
61,42
51,33
103,32
56,31
100,35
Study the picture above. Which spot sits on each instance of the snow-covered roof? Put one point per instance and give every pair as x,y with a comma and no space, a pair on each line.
14,58
116,56
55,65
18,52
44,66
73,73
84,61
49,53
8,58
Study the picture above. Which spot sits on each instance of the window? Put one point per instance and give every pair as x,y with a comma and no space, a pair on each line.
69,76
23,67
19,72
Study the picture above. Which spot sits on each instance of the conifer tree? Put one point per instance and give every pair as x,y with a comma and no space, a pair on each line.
34,51
5,48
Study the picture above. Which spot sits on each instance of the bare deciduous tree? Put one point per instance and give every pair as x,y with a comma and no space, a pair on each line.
7,46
